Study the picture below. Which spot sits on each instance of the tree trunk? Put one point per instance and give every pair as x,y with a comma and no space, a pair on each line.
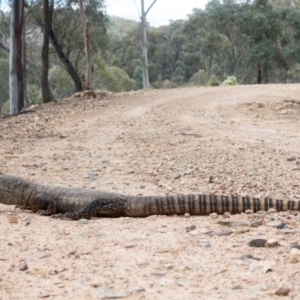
87,82
46,92
71,70
144,48
26,101
16,66
259,78
144,44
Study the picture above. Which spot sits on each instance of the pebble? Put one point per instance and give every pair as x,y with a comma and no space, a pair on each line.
287,230
295,246
114,295
271,243
44,255
136,288
191,228
233,223
248,256
259,242
224,232
291,158
164,281
82,221
276,224
268,266
23,266
205,245
294,260
226,215
271,210
283,291
182,282
257,223
214,216
129,245
295,251
187,215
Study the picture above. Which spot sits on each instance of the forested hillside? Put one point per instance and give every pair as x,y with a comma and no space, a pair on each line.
254,41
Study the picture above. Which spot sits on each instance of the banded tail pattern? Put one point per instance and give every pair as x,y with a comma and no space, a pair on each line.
203,204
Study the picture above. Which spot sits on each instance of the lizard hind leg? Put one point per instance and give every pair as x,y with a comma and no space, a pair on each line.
98,207
43,204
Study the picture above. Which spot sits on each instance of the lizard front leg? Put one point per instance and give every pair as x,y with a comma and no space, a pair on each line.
99,207
43,204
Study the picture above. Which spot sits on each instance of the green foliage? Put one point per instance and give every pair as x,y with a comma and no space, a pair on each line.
111,78
231,80
34,94
138,76
212,81
5,107
168,84
60,82
199,79
4,75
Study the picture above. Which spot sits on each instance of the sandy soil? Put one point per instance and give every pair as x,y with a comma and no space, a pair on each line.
242,139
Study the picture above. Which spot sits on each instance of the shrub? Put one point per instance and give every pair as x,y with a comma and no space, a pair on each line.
231,80
212,81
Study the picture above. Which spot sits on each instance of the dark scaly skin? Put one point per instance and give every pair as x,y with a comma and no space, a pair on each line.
76,203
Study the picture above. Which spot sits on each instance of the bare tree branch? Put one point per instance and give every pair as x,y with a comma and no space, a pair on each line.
4,46
149,8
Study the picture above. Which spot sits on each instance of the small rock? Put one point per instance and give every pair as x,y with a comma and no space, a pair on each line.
190,228
82,221
249,211
248,256
226,215
271,243
177,176
44,255
114,295
276,224
214,216
295,251
233,222
129,245
237,287
205,245
257,223
23,266
164,281
136,288
291,158
257,242
271,210
268,266
294,260
224,232
283,291
294,246
287,230
182,282
187,215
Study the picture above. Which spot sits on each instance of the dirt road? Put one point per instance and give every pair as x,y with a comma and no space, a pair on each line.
240,139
